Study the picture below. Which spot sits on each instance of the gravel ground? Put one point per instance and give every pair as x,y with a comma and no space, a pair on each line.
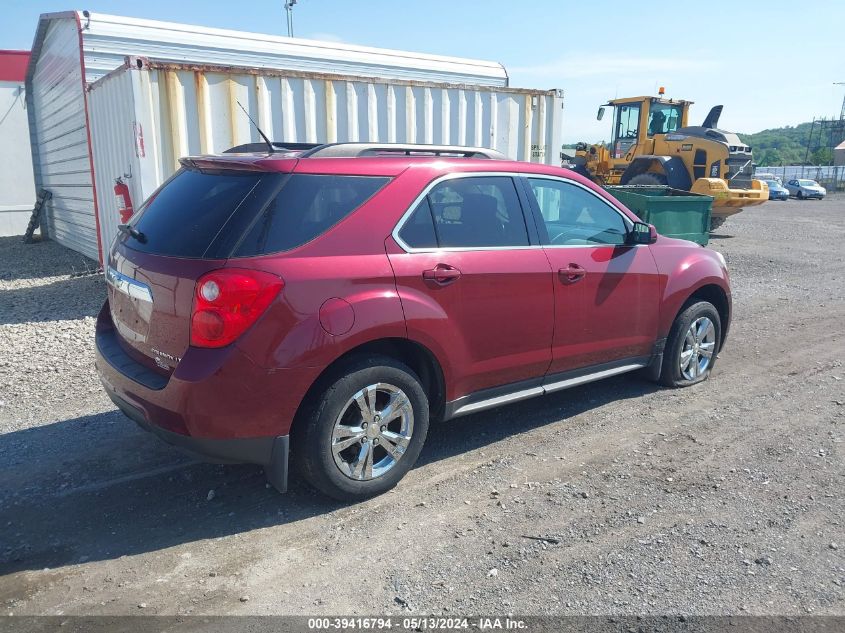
616,497
49,297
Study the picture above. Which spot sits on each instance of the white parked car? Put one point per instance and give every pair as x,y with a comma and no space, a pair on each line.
803,188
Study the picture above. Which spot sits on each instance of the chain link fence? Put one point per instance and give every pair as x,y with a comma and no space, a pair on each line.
830,177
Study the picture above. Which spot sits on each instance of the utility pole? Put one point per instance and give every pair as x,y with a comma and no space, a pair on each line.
841,112
289,8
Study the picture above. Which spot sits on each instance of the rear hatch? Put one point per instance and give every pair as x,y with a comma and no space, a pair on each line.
188,227
211,211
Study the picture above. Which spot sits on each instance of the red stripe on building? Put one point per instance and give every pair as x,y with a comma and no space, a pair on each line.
13,65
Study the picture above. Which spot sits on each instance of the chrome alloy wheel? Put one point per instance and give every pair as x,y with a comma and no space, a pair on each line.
372,432
699,347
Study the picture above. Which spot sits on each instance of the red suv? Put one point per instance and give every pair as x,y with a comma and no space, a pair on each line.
327,303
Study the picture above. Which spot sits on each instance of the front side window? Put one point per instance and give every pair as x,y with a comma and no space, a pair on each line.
627,129
574,216
628,122
472,212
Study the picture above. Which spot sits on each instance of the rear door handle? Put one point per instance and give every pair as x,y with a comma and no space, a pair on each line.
442,274
572,273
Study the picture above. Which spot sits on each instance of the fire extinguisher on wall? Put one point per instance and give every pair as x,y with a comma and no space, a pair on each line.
123,199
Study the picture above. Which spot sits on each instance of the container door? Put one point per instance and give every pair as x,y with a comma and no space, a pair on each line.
606,293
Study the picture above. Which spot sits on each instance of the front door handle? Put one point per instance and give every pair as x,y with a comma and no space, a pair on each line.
442,274
572,273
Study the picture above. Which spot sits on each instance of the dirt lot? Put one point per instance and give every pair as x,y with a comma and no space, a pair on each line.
724,498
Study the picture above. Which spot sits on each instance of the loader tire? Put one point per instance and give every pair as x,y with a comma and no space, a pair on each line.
648,178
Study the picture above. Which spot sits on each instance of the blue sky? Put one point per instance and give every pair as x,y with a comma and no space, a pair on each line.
770,63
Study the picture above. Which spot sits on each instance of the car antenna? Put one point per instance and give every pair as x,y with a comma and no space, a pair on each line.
262,134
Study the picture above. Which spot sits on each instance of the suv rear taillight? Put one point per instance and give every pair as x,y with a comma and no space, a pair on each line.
227,302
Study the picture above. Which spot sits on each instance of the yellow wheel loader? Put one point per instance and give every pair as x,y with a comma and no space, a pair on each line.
652,144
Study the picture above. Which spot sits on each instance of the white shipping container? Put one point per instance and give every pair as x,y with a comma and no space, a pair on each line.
146,115
96,114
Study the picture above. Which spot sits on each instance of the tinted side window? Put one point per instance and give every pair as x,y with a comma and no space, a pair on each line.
418,230
476,212
185,215
307,206
574,216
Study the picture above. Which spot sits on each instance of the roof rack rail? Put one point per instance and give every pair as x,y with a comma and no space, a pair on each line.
249,148
351,150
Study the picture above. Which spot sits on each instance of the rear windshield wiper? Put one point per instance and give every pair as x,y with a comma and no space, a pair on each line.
133,232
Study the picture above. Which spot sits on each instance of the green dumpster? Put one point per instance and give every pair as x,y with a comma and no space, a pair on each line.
673,212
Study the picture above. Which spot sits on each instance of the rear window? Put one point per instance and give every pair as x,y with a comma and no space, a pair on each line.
187,214
217,214
306,206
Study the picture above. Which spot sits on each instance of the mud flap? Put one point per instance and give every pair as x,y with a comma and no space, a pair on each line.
655,365
277,469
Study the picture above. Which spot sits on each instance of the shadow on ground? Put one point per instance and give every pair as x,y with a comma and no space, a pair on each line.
97,487
40,259
66,299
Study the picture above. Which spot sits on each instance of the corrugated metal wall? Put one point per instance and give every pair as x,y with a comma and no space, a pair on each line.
181,111
198,112
108,38
59,138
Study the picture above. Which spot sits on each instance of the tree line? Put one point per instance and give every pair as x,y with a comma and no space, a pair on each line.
787,146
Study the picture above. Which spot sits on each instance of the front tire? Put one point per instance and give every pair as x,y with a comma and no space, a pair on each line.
799,195
364,430
692,346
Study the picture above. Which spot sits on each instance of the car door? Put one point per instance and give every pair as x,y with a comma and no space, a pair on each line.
474,288
606,291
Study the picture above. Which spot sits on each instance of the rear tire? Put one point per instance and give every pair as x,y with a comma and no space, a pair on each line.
364,429
648,178
692,346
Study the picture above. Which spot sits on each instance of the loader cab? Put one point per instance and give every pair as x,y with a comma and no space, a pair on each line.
638,119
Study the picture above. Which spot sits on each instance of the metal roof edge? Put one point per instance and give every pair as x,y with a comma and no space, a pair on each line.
178,27
38,39
131,63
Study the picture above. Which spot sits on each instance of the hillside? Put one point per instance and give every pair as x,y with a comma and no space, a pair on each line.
784,146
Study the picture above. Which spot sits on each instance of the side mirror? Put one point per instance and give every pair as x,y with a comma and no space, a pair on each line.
600,114
642,233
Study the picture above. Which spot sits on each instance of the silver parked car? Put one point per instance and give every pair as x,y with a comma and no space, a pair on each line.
803,188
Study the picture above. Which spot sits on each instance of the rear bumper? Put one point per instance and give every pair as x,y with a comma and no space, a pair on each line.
217,404
270,452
